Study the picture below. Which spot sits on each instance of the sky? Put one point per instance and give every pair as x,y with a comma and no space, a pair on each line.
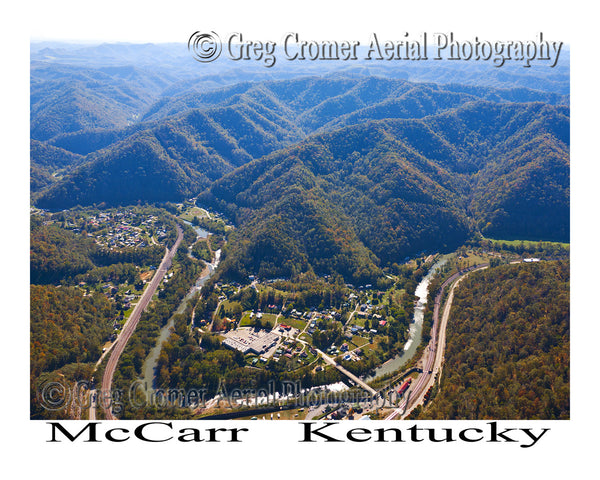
173,21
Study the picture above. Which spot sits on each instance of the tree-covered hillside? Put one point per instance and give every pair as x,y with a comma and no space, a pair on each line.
353,200
206,134
507,353
337,173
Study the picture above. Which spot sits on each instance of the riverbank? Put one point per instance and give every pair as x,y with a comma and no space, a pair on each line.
415,329
151,361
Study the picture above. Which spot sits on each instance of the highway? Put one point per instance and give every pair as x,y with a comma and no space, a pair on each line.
129,327
434,352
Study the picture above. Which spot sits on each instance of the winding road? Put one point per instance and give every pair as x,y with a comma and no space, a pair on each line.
105,395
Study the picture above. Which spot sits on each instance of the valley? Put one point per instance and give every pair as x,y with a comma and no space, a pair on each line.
324,201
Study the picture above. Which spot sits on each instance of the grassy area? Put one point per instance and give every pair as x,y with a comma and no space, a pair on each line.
372,346
294,414
393,296
246,321
127,313
471,259
190,213
457,262
526,243
267,319
293,322
358,320
359,341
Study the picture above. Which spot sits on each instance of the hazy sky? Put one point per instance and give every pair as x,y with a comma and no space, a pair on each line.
174,21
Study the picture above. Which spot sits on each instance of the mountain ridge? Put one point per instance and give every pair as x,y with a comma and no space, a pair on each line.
398,200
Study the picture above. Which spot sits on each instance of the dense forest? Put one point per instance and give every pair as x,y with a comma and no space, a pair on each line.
67,331
56,254
325,174
357,199
66,326
507,353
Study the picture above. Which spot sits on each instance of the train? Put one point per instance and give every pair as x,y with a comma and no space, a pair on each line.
404,387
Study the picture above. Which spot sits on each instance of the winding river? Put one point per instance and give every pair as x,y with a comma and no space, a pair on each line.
392,365
415,329
148,369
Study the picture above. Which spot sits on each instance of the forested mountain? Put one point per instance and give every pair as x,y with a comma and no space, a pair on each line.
46,160
189,141
507,353
137,169
70,99
342,172
364,196
76,88
326,200
173,159
332,101
524,193
44,155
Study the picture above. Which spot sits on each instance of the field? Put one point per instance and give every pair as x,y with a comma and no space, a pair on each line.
193,212
293,322
526,243
267,319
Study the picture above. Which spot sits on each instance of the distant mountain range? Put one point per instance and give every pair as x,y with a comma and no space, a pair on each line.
338,173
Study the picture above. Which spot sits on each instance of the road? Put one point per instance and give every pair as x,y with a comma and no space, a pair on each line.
333,363
433,355
352,314
350,375
129,327
438,358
